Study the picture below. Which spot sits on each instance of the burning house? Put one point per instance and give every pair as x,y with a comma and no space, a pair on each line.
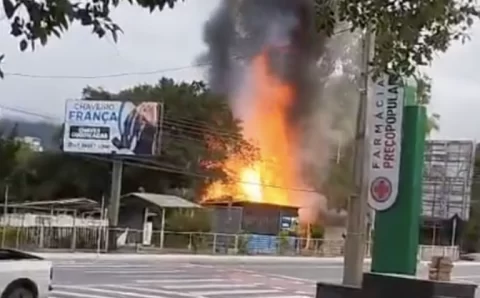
264,56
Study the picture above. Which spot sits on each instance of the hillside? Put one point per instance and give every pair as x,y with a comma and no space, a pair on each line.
46,131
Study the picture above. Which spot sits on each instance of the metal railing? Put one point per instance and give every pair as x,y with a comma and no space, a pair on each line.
88,239
95,239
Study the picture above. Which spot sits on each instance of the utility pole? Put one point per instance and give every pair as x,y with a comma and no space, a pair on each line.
358,207
5,214
114,202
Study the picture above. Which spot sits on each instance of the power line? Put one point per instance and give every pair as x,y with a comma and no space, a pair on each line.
114,75
182,140
158,167
127,74
186,132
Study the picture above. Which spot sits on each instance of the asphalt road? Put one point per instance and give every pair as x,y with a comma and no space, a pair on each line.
206,279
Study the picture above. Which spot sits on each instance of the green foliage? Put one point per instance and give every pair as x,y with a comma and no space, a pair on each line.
408,33
339,185
242,243
424,96
317,231
283,245
47,18
9,236
188,221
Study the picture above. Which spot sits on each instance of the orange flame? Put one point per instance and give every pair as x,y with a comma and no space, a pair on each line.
268,179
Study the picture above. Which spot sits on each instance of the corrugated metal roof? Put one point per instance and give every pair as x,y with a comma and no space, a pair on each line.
163,201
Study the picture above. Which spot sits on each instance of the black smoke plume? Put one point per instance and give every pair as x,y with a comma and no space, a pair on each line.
240,30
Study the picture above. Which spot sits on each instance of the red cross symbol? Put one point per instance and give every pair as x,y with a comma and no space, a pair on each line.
381,189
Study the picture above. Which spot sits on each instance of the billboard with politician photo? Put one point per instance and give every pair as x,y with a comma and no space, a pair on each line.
111,127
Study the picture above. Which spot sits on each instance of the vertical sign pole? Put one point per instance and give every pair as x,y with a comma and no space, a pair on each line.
115,193
357,206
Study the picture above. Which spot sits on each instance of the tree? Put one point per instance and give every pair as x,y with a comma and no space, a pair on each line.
424,97
8,159
408,33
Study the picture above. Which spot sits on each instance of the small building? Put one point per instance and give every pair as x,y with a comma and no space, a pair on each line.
251,217
138,208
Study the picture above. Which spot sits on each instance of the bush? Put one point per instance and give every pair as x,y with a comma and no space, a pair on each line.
188,221
242,244
11,234
283,244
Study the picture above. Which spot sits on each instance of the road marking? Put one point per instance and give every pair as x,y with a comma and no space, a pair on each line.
234,292
133,272
298,279
99,266
211,286
157,291
79,295
104,291
467,277
302,293
177,281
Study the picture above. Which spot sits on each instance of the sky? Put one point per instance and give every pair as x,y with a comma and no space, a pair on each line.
167,44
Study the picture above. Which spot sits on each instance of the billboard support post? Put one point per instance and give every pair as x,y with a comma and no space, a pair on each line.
115,193
114,128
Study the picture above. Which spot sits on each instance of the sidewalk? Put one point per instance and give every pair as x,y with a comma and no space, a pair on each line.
187,257
209,258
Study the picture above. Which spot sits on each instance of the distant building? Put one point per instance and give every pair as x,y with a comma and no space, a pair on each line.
447,183
33,142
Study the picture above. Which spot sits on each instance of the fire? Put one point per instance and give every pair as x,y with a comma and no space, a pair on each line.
268,179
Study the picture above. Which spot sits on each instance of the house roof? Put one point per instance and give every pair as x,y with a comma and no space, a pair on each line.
67,204
162,201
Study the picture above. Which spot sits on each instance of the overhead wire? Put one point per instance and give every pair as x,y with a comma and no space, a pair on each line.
130,73
152,164
186,132
155,167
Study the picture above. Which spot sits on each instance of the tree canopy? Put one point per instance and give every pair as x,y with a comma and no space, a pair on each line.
408,32
424,97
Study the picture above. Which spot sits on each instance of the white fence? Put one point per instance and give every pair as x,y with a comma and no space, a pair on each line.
37,220
64,232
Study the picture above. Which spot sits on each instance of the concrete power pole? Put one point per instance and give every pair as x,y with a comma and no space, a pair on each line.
357,208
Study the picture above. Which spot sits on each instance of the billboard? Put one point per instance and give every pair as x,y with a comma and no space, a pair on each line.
111,127
447,179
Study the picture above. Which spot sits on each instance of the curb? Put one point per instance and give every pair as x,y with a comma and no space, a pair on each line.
206,258
210,258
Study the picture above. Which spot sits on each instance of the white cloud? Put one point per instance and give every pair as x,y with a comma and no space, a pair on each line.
456,89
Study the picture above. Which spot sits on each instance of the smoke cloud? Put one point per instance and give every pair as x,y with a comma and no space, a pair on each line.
240,30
